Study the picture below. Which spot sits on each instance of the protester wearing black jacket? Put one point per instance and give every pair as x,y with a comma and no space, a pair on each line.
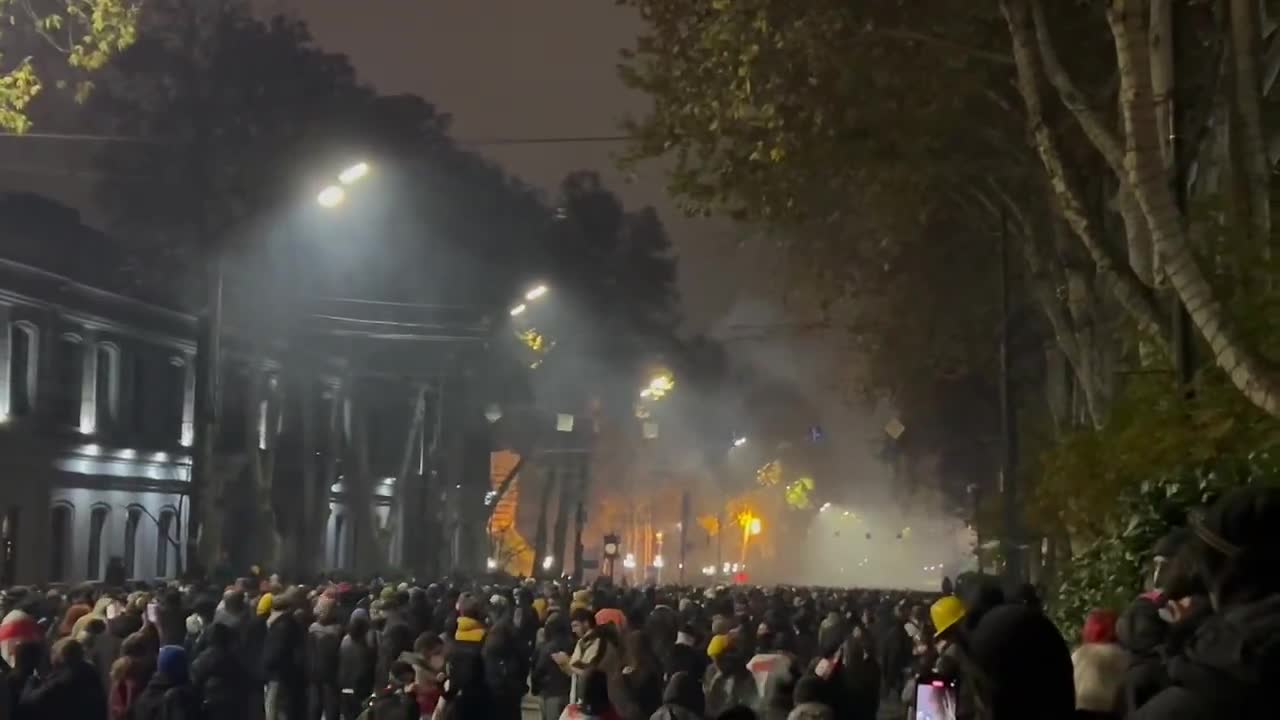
324,642
552,685
72,689
220,677
356,659
283,662
169,695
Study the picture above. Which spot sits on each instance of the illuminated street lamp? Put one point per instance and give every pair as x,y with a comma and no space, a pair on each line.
739,442
536,293
491,563
629,562
518,310
547,562
331,197
353,173
756,526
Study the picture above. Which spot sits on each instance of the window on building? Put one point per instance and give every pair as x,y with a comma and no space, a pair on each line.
22,368
9,536
59,541
163,541
106,386
97,523
138,410
339,523
131,523
69,369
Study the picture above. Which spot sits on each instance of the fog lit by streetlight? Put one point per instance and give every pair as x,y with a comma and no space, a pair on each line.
536,293
353,173
331,197
519,310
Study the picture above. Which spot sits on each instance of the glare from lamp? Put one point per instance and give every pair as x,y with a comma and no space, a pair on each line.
331,197
353,173
536,293
547,562
739,442
519,310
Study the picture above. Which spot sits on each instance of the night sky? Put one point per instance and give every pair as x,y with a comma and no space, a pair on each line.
524,68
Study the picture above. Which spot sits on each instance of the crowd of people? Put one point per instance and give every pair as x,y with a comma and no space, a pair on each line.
1204,642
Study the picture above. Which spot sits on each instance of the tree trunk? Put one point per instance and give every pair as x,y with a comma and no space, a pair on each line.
1122,282
1248,370
1248,102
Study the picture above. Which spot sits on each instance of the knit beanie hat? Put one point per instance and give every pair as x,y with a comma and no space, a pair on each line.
172,661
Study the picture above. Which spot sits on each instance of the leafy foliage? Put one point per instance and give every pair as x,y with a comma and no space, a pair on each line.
1110,571
86,34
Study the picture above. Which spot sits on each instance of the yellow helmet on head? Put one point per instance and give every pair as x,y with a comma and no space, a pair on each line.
945,613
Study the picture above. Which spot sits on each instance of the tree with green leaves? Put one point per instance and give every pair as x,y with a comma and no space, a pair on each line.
83,36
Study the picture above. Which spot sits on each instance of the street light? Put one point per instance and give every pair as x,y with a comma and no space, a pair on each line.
491,563
331,197
536,293
739,442
519,310
547,562
353,173
756,526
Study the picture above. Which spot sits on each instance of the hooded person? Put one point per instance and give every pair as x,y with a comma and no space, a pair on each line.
1100,664
169,694
682,699
684,655
1019,666
1229,669
466,651
506,668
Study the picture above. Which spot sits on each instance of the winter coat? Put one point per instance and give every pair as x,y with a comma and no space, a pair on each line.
636,695
775,675
129,676
172,624
1099,676
686,659
283,650
222,680
729,688
506,667
1142,632
355,667
164,700
548,679
1230,669
324,643
71,691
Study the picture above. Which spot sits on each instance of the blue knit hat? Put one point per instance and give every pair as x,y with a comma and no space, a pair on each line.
173,663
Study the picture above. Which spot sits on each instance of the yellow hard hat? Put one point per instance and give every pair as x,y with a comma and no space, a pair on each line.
946,612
